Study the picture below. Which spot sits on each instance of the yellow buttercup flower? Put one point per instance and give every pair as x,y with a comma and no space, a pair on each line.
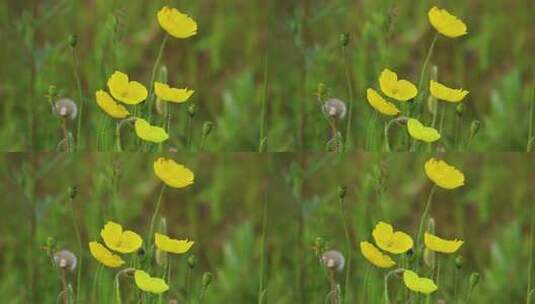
443,175
129,92
177,24
108,105
167,244
434,243
376,257
442,92
166,93
381,105
420,132
415,283
118,240
399,89
446,23
394,242
149,284
104,256
149,133
173,174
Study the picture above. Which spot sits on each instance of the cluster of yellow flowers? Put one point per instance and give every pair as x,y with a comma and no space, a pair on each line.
176,24
397,242
125,241
403,90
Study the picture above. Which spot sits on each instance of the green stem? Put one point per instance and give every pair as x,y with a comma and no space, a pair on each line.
117,289
387,133
261,290
79,87
424,216
530,263
153,74
189,133
424,69
350,89
80,252
154,216
261,143
531,139
348,248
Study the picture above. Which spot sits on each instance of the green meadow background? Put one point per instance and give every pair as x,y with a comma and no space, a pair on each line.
247,52
255,220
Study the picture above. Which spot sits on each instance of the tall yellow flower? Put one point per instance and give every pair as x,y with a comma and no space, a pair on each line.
434,243
166,93
124,90
177,24
442,92
381,105
167,244
446,23
420,132
118,240
392,241
374,256
173,174
418,284
149,133
108,105
104,256
443,175
399,89
149,284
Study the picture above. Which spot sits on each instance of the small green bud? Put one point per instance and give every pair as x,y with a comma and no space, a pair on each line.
52,91
474,128
192,261
344,39
342,191
207,128
51,242
73,192
322,89
431,225
319,242
192,110
207,279
460,109
429,258
73,40
474,279
459,262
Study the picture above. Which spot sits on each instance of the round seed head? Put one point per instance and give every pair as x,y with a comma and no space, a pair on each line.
65,259
66,108
333,259
335,108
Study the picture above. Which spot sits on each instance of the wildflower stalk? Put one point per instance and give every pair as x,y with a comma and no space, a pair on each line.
530,263
424,68
65,288
261,288
365,284
154,216
424,216
348,244
118,128
189,133
65,141
79,239
387,276
332,296
153,74
350,90
262,144
81,98
531,138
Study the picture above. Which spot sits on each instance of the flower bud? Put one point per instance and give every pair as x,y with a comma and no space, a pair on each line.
51,242
344,39
73,40
192,110
52,91
207,128
459,261
342,190
474,128
474,279
73,192
192,261
460,109
322,89
207,279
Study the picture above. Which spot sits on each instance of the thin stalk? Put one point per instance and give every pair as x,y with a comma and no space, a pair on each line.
65,130
155,215
117,289
388,125
188,285
387,276
364,290
261,142
424,216
153,74
189,133
531,139
261,289
530,263
424,69
350,89
80,251
348,247
94,286
65,288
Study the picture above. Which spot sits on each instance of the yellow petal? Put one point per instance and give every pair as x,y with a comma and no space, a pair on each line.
394,242
149,284
167,244
104,256
402,90
118,240
376,257
149,133
446,23
381,105
433,242
177,24
129,92
108,105
166,93
443,175
415,283
173,174
442,92
420,132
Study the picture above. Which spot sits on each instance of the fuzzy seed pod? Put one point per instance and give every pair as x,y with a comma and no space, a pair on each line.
65,108
65,259
335,108
333,259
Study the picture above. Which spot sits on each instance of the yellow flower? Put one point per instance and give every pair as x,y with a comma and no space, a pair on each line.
415,283
442,92
388,240
177,24
164,243
433,242
446,23
149,133
108,105
103,255
376,257
149,284
129,92
443,175
118,240
381,105
166,93
401,90
420,132
173,174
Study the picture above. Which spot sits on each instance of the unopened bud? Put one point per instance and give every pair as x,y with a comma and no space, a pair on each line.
207,279
192,110
73,192
344,39
192,261
460,109
474,279
207,128
342,190
73,40
459,261
474,128
322,89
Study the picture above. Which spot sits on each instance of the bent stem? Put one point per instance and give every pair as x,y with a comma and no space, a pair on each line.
424,69
117,289
153,74
348,244
388,125
154,216
387,276
424,216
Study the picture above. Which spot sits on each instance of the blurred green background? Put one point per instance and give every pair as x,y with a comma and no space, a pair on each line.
295,43
223,213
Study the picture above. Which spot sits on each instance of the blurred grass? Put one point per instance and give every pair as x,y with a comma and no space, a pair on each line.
224,63
222,213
